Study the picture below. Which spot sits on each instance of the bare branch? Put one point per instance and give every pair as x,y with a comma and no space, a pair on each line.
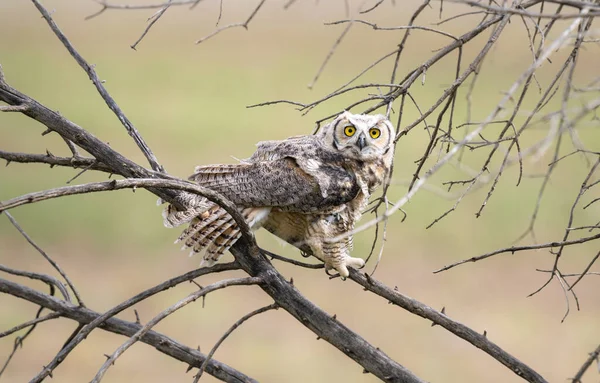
228,332
514,249
478,340
46,256
235,25
594,355
29,324
329,55
189,299
134,183
103,92
48,279
516,11
161,342
153,19
99,320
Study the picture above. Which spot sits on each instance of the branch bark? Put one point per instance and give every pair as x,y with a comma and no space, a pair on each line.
478,340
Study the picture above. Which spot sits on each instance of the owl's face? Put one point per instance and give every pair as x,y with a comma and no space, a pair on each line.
360,136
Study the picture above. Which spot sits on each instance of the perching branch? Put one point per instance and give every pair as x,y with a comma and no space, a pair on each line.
476,339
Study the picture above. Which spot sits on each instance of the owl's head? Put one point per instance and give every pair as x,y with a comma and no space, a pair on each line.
360,136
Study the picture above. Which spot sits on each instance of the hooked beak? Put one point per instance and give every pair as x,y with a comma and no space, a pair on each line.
362,141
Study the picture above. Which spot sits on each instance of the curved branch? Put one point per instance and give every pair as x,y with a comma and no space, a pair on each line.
47,279
189,299
51,261
161,342
228,332
99,320
134,183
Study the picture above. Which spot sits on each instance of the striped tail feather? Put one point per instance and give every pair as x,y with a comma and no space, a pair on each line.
212,233
221,244
202,225
231,233
173,217
215,231
194,205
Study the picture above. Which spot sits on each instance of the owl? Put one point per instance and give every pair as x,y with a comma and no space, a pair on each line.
307,190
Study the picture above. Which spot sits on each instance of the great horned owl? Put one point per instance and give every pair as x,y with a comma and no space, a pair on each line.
304,189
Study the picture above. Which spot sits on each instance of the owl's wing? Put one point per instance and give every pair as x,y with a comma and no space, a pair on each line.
280,183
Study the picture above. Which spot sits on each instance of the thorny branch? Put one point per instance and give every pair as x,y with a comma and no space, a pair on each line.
162,343
154,321
594,357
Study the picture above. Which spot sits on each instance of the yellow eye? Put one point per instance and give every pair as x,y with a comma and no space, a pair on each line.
374,132
349,131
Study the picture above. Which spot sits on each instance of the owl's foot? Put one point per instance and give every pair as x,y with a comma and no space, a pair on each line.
341,265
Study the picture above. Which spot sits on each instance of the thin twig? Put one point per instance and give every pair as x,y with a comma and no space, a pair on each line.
107,316
152,20
189,299
133,132
261,310
118,326
52,262
29,323
234,25
71,162
48,279
292,261
514,249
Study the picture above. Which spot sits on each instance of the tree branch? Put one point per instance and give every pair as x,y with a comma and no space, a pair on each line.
593,357
161,342
165,313
52,160
228,332
478,340
133,132
99,321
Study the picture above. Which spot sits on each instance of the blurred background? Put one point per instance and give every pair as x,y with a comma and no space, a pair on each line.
189,103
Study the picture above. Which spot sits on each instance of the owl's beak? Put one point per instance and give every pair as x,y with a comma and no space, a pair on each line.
362,141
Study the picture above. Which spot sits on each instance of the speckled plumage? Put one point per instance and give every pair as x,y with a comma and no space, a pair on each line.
305,190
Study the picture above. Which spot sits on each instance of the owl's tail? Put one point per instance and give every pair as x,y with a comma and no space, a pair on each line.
213,229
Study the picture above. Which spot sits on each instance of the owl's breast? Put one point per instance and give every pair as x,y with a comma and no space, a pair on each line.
375,173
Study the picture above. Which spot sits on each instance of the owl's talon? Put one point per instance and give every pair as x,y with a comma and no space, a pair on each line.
304,254
341,266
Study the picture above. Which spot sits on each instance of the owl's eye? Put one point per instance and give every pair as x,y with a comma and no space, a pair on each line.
349,131
374,132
